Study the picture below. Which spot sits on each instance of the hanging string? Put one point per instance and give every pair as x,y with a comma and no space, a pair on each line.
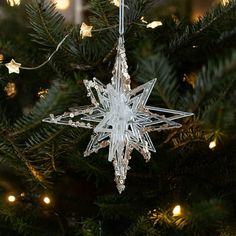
49,58
118,82
121,18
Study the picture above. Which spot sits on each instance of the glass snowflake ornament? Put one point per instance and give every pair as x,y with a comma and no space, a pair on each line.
120,117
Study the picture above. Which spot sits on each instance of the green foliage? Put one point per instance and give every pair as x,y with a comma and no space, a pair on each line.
205,215
143,227
87,227
210,25
157,66
23,220
46,22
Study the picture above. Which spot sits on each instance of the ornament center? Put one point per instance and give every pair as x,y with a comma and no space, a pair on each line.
120,112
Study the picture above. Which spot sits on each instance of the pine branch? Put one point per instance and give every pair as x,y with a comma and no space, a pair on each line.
20,144
205,214
143,227
113,207
210,83
166,89
227,36
210,24
57,97
207,100
49,29
47,23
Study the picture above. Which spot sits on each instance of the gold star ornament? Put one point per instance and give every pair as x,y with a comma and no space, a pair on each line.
10,90
13,67
85,30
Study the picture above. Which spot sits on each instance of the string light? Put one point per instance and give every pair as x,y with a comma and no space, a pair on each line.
11,198
46,200
212,144
13,3
151,25
154,24
116,2
143,20
14,67
225,2
85,31
177,210
62,4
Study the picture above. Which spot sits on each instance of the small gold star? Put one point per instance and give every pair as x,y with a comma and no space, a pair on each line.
13,67
85,30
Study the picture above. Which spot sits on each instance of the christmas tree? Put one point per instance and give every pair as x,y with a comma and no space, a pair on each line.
47,185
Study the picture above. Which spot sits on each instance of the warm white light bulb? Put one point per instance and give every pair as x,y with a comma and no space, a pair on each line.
212,144
11,198
154,24
62,4
47,200
177,210
116,2
143,20
225,2
13,3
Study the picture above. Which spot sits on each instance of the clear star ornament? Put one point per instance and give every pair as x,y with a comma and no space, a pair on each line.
119,116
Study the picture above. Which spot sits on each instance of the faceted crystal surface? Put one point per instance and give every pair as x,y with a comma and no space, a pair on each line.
120,117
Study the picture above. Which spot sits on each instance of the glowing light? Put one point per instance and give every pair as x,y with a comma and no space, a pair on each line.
1,58
62,4
177,210
116,2
42,93
143,20
225,2
11,198
212,144
13,3
47,200
154,24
